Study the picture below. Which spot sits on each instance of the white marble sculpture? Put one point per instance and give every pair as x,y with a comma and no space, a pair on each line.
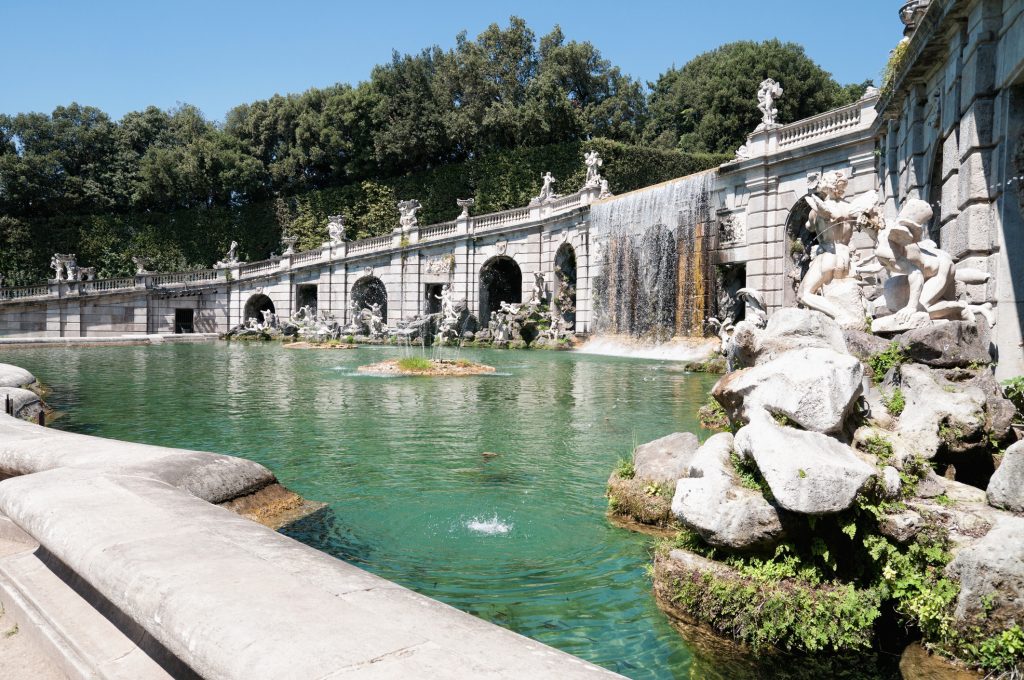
605,191
336,229
828,286
922,277
407,214
230,258
465,204
767,93
537,296
547,189
593,162
289,244
140,263
57,265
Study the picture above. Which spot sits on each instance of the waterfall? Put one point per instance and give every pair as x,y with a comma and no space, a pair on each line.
654,278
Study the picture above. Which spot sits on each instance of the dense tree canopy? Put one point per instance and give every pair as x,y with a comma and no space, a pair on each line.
179,187
707,104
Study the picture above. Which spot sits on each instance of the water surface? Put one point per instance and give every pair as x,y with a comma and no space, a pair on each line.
517,536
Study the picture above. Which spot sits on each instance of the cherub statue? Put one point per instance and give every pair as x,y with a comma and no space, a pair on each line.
922,276
407,214
767,93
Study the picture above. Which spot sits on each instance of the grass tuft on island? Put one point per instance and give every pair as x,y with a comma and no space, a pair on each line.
329,344
426,367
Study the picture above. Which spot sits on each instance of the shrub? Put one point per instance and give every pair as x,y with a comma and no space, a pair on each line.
894,402
1013,389
624,469
417,364
889,358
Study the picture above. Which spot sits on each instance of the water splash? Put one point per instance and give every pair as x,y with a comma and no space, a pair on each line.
678,349
491,527
655,280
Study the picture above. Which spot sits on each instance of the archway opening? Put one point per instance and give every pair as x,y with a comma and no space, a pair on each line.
255,307
369,291
501,280
800,242
565,284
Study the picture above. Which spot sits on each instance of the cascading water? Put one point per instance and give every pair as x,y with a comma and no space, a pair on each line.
655,279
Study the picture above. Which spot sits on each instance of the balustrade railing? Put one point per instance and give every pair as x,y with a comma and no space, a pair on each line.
309,256
199,276
501,219
436,231
102,285
258,267
370,244
822,126
24,292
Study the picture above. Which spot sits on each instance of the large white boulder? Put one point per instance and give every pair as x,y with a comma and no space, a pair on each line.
808,472
814,387
15,376
937,412
790,328
712,502
1006,488
666,459
991,575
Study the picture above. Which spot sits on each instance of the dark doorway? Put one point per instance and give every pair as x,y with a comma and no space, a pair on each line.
184,320
565,284
433,293
501,280
368,291
306,294
255,307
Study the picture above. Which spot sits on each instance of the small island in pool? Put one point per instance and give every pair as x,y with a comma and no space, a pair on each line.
424,366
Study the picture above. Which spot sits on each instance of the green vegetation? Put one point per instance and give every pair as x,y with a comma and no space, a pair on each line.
748,474
880,447
1013,389
624,469
480,120
894,402
712,416
417,364
892,67
889,358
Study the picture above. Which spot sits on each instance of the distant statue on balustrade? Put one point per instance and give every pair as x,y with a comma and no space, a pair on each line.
230,258
336,229
547,190
407,214
140,263
593,162
767,93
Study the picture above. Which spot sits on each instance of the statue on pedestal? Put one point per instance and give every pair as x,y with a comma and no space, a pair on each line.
407,214
336,229
767,93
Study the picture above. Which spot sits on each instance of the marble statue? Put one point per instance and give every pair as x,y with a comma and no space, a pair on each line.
767,93
605,191
729,329
57,265
289,244
376,321
407,214
465,204
230,258
537,296
140,263
547,190
593,162
269,318
1,280
71,265
833,220
922,277
336,229
87,273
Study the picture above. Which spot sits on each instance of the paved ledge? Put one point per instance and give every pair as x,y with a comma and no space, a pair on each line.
231,598
107,341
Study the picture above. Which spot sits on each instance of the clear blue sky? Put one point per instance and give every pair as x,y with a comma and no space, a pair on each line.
123,56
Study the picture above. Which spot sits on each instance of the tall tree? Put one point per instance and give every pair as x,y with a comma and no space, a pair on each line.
710,103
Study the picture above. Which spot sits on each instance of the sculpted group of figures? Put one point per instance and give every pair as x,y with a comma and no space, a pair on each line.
920,279
921,286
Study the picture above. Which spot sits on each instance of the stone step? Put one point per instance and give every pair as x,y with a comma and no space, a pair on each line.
78,638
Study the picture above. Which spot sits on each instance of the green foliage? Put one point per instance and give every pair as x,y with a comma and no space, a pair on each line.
624,469
894,402
890,357
1013,389
880,447
1002,652
712,416
417,364
705,104
892,67
766,607
748,474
